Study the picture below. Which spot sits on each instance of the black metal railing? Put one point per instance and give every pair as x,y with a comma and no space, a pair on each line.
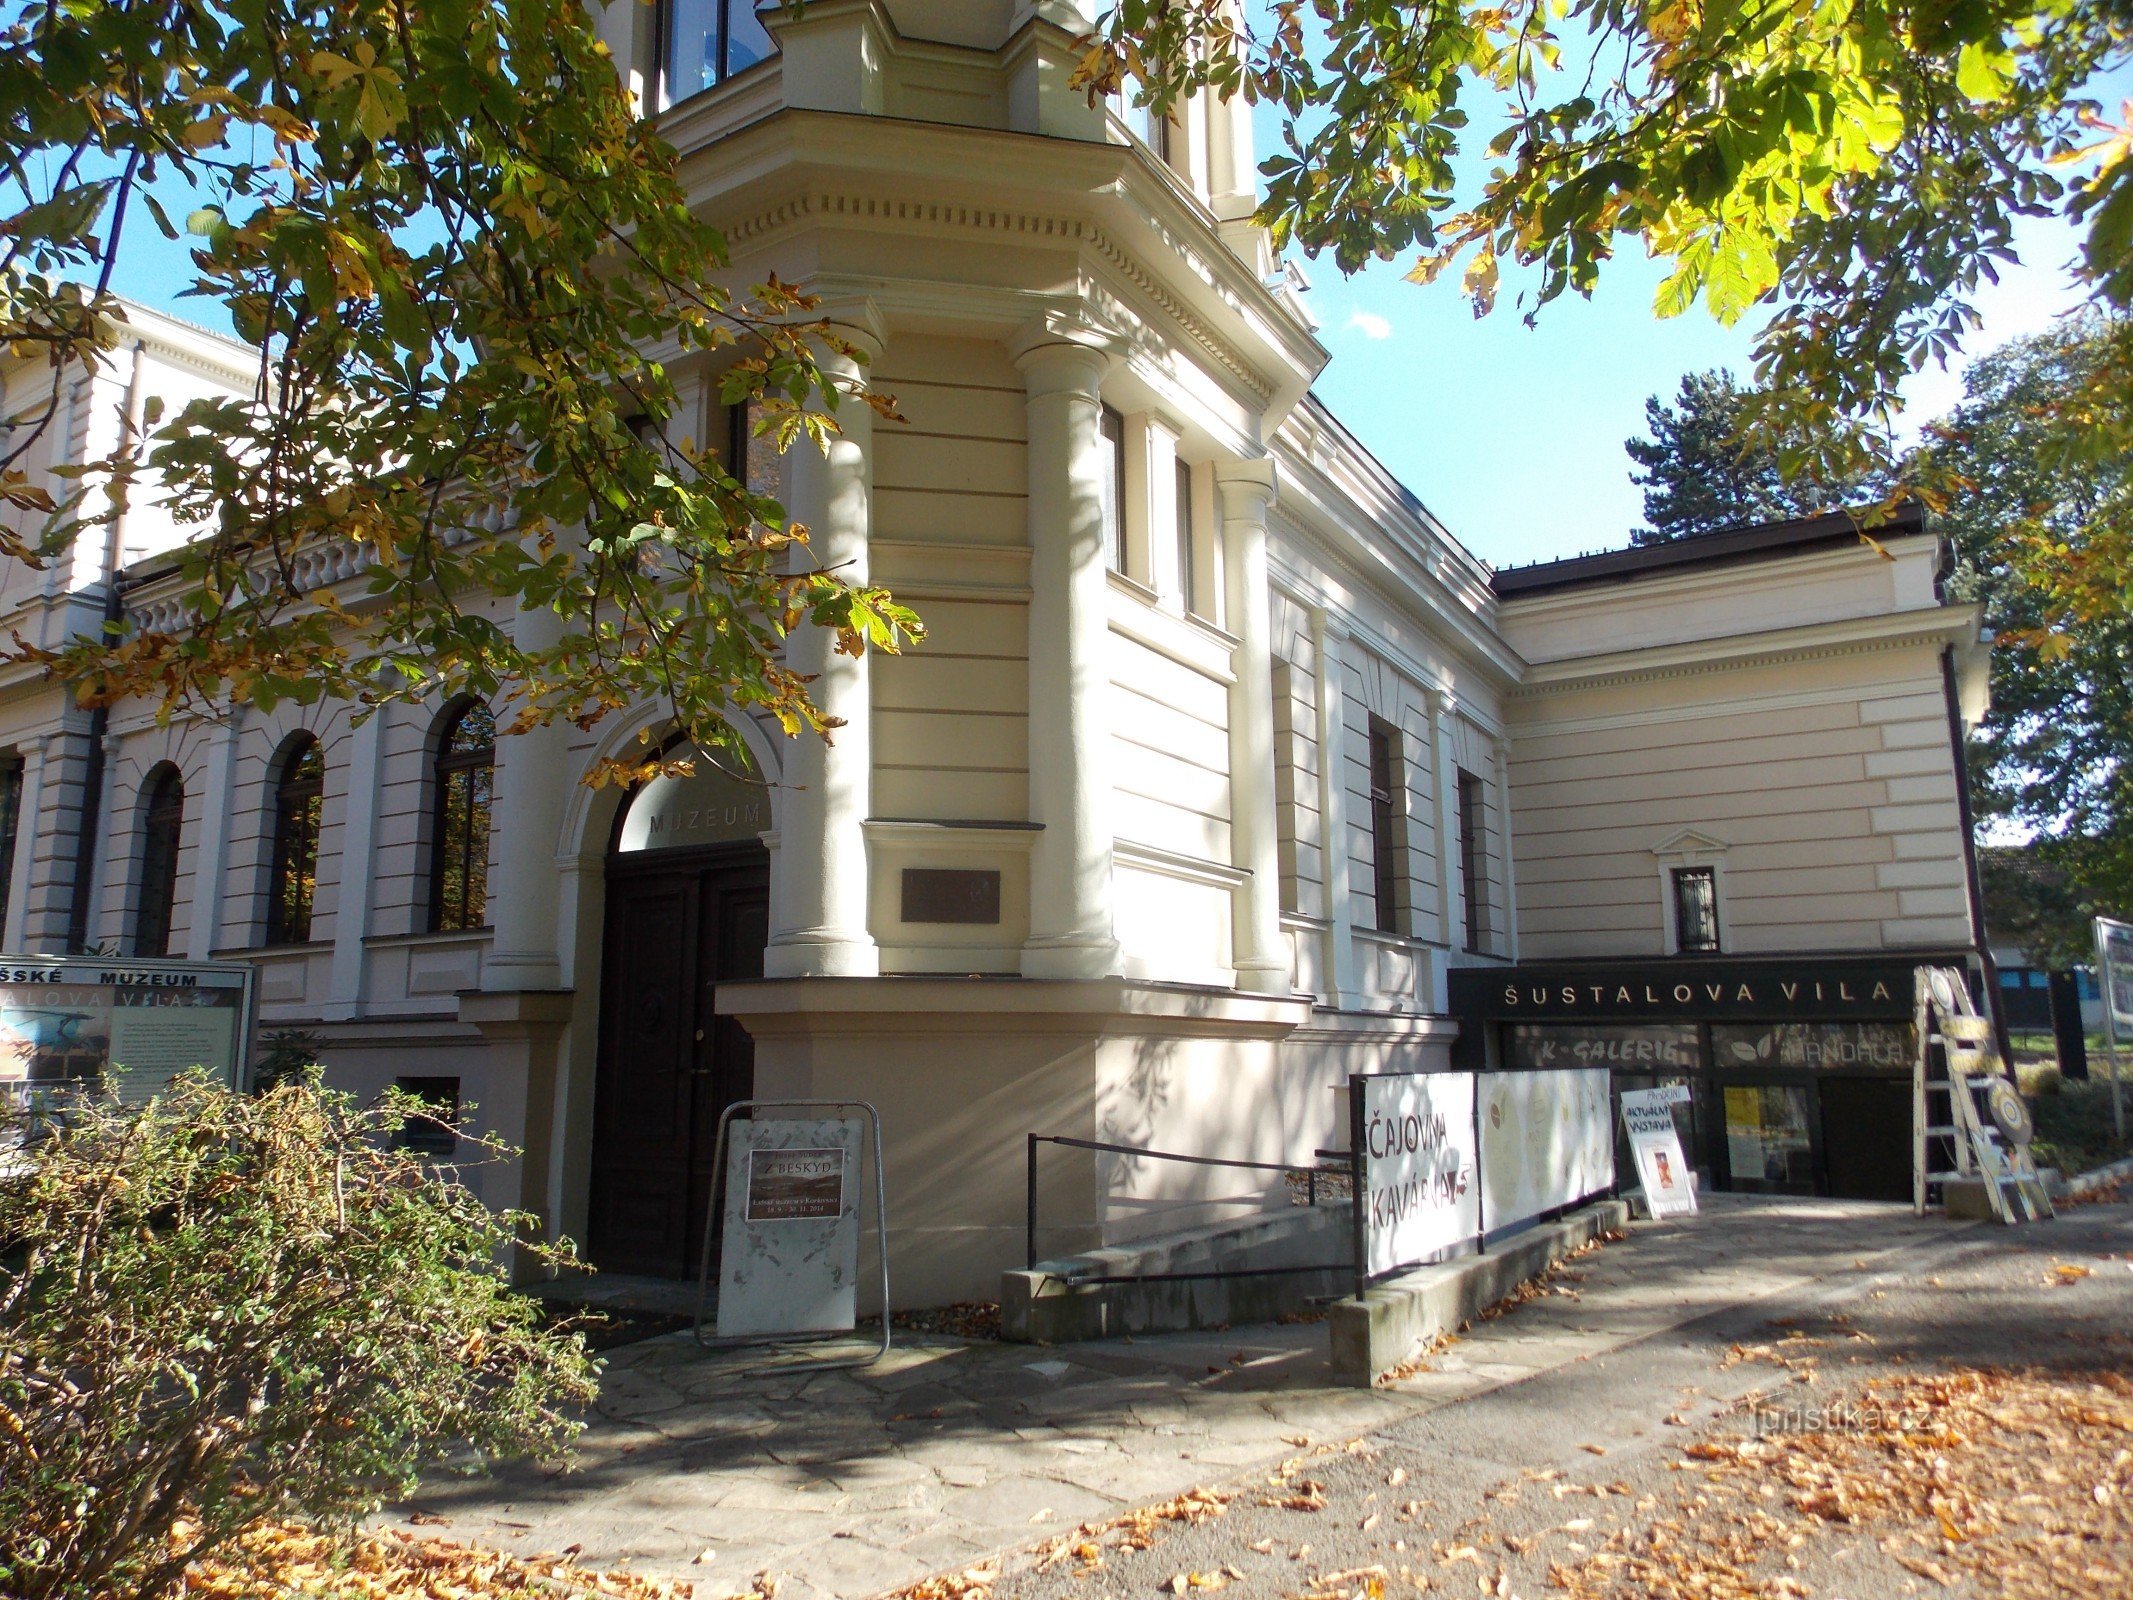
1311,1176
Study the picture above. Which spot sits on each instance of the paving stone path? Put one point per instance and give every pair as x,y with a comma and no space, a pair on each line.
707,1467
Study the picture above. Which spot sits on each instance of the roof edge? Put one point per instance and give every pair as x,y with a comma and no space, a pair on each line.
1748,541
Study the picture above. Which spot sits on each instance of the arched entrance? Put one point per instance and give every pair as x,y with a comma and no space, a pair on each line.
688,908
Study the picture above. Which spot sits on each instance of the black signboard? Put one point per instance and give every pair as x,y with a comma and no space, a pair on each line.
1778,989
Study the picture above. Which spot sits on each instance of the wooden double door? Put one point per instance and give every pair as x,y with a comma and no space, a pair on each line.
679,924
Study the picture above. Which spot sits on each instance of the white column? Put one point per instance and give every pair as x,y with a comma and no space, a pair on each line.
359,836
532,781
1071,933
819,884
211,858
1327,638
1246,489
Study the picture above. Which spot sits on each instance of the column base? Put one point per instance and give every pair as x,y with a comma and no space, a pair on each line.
1265,977
822,953
1070,958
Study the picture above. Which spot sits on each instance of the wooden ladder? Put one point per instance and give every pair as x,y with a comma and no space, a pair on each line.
1956,1076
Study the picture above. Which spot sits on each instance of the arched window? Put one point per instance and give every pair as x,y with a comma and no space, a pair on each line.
162,818
299,795
465,786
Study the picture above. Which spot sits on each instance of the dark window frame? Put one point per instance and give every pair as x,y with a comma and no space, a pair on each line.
724,69
11,782
298,801
1473,801
162,834
1111,427
435,1136
1387,778
1187,589
462,813
1705,943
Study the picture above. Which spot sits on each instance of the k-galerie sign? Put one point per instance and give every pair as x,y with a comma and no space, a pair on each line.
137,1024
790,1257
1655,1145
1419,1190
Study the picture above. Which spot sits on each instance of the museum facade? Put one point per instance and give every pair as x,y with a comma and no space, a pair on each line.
1224,771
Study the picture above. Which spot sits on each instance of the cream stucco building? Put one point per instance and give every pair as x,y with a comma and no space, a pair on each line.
1221,759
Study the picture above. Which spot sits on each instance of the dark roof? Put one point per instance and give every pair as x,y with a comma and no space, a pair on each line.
1748,542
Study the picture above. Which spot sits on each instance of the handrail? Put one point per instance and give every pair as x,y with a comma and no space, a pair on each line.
1030,1198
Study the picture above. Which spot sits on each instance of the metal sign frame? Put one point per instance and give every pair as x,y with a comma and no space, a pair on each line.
720,1172
98,972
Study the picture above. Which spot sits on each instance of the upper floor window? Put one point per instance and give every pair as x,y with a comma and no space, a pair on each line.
1473,858
1145,123
162,820
1386,782
1113,487
1696,910
299,798
707,41
1187,595
464,787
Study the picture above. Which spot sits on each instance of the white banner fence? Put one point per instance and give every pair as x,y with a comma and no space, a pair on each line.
1445,1159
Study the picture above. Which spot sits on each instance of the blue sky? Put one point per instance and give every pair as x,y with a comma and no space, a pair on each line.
1513,435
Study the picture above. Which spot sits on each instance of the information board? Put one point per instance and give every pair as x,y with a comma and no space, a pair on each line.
1655,1146
1546,1142
1420,1192
789,1261
139,1023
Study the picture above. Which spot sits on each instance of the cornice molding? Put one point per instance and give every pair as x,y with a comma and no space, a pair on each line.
771,222
1942,625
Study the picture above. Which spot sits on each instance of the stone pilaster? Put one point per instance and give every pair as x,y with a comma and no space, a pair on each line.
1071,929
818,925
1246,490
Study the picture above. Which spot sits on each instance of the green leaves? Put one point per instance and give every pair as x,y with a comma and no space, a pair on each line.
217,1307
455,243
1854,169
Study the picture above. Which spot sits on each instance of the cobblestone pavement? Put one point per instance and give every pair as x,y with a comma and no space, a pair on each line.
703,1467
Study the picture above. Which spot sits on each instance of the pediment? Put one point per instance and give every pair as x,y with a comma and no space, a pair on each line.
1689,842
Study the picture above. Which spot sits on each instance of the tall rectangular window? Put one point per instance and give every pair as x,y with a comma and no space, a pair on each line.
1113,428
10,825
1186,595
707,41
1473,858
1386,782
1696,910
1145,123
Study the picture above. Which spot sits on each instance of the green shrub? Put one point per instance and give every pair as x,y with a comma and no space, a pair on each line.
216,1307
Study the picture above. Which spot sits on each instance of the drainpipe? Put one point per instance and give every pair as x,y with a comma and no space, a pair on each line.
1981,945
92,789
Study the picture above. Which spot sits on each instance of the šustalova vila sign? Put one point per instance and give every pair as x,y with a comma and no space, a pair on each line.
1767,990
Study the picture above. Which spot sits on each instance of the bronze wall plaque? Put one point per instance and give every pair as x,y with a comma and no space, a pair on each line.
951,894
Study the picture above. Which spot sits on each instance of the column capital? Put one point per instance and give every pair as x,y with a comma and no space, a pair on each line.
857,320
1439,699
1063,349
1247,487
